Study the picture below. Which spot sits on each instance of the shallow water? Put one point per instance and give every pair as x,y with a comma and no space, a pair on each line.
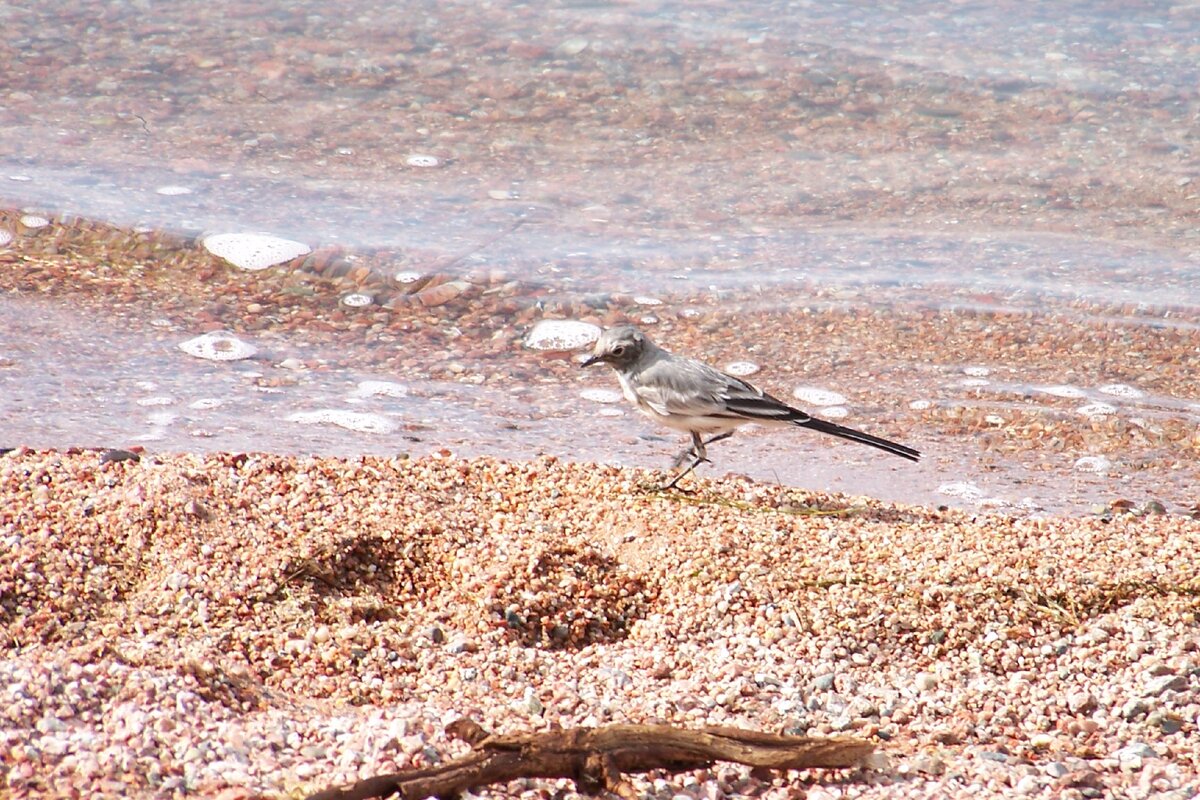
768,157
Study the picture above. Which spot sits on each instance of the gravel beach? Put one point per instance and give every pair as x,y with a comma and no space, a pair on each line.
243,625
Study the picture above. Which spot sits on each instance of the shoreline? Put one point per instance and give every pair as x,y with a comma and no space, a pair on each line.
246,625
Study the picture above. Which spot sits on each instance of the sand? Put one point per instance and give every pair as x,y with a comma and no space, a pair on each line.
244,625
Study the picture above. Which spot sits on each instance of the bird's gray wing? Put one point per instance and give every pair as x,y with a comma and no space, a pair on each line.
685,387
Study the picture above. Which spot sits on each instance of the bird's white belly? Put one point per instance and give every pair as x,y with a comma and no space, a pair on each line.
679,422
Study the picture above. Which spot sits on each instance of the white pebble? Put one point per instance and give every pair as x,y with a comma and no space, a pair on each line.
1096,410
357,300
1121,390
977,372
254,251
561,334
380,389
920,405
818,397
741,369
601,395
423,161
1092,464
218,346
1062,391
34,221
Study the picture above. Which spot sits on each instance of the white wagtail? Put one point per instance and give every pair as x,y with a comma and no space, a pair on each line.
690,396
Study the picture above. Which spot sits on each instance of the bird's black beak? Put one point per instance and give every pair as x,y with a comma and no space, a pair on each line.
590,360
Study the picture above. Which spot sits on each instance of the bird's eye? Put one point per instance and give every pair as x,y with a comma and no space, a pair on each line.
619,350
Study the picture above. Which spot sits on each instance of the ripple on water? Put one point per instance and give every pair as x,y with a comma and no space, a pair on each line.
561,334
172,191
206,403
254,251
357,421
218,346
977,372
818,397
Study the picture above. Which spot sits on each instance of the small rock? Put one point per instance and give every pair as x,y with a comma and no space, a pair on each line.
1028,785
1164,683
1081,702
929,765
1055,769
925,682
824,683
435,634
1133,709
1134,753
1165,721
462,645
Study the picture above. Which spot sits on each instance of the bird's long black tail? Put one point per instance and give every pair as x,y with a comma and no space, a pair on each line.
833,429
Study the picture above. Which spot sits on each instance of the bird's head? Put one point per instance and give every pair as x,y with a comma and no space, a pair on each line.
618,347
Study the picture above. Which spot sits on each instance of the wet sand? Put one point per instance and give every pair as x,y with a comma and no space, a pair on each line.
1022,403
237,625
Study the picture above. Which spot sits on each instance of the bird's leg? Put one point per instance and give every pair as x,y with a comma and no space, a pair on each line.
697,450
719,437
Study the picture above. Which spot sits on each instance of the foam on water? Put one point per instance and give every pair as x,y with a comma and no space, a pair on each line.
350,420
964,489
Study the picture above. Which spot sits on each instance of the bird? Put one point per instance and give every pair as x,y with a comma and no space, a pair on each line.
700,400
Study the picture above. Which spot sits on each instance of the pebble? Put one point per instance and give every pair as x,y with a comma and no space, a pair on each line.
254,251
1159,684
1134,753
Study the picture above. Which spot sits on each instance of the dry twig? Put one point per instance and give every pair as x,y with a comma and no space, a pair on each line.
597,758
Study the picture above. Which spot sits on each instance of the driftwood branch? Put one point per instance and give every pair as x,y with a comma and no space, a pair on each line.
597,758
